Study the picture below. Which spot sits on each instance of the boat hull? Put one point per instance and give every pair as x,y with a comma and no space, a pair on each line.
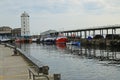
61,40
23,40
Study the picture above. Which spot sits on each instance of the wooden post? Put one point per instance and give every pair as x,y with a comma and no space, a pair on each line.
93,33
85,34
45,70
57,77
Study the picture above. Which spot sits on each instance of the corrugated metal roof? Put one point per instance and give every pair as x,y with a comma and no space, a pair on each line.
48,32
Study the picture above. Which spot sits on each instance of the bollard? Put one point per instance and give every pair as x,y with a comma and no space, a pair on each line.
57,77
15,51
45,70
5,45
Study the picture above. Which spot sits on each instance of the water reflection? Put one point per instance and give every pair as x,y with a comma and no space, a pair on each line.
61,46
92,52
78,63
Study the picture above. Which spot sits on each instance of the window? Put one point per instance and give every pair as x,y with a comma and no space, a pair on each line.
24,22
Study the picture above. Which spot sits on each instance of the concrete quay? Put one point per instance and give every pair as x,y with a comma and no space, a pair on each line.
12,67
16,67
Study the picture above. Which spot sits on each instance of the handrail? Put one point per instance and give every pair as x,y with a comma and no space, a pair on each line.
33,74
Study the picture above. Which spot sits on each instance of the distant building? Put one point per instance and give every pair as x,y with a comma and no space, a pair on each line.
25,31
5,31
16,32
35,36
48,33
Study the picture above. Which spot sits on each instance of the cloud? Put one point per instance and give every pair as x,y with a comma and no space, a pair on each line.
61,6
112,7
60,13
93,5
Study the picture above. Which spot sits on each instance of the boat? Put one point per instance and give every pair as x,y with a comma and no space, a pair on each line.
23,40
73,43
50,40
4,40
61,39
34,39
19,40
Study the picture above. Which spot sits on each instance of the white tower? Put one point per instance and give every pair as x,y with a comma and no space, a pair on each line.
25,31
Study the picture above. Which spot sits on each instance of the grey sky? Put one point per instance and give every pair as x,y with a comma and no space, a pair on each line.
60,14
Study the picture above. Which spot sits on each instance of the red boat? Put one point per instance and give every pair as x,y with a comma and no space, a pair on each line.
19,41
61,40
23,40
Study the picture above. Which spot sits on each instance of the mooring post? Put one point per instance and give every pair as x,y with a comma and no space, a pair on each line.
57,77
45,70
29,74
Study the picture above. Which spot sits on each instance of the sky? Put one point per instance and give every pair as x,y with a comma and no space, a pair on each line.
60,14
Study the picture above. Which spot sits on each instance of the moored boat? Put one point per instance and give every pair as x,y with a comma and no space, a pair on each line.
23,40
73,43
49,40
4,40
34,39
19,40
61,40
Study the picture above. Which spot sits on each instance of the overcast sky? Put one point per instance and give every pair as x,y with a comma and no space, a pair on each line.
60,14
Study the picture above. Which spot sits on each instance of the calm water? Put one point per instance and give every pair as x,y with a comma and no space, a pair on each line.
72,66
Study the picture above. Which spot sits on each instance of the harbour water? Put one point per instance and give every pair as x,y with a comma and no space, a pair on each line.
91,64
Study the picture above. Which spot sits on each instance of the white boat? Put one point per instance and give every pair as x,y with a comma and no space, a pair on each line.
4,40
34,39
49,40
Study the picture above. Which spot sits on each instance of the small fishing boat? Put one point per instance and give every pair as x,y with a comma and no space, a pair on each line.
34,39
23,40
73,43
19,40
61,39
4,40
50,40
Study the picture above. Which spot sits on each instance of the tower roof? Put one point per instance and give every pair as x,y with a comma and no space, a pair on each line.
24,14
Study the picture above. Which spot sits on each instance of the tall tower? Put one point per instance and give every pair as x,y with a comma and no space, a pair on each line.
25,31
